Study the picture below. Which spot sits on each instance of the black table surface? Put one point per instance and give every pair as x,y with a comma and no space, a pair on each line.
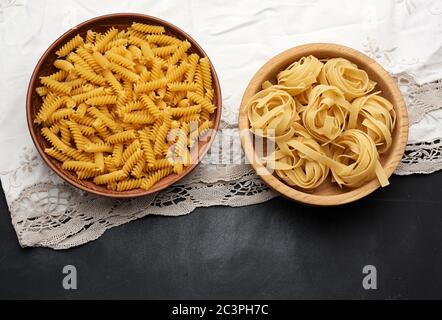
274,250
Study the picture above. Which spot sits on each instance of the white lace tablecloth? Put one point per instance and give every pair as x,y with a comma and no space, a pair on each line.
405,36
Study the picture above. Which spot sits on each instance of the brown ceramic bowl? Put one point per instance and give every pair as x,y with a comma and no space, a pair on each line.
328,193
45,67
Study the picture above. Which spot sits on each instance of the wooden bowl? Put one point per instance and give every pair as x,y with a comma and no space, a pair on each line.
328,193
45,67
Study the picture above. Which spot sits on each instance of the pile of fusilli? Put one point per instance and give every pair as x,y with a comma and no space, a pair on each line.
126,106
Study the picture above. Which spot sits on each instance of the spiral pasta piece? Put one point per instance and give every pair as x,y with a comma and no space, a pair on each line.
79,166
86,174
112,81
206,72
177,99
156,176
116,43
153,133
160,164
182,86
110,177
99,161
59,75
63,65
75,58
42,91
181,144
163,40
60,114
132,161
179,52
89,75
86,131
146,51
98,147
160,140
122,137
101,60
204,127
89,59
65,132
156,70
76,84
185,111
120,60
175,73
129,184
102,120
101,100
79,139
164,52
101,129
150,106
69,46
124,72
134,146
139,117
50,105
128,107
138,169
60,156
145,28
90,36
75,154
55,85
147,148
89,94
141,87
136,53
136,38
108,36
205,103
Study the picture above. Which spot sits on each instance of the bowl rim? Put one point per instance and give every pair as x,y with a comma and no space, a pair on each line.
299,195
96,20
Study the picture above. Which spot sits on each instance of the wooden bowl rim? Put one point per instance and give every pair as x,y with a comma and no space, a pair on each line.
273,182
91,23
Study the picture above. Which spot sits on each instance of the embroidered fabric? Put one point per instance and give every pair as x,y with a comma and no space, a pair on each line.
45,211
63,217
421,157
420,99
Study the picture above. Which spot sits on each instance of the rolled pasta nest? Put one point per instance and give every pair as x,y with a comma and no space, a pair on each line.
323,120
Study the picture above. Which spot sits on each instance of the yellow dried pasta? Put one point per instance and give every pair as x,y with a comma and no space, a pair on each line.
155,177
69,46
119,108
323,121
145,28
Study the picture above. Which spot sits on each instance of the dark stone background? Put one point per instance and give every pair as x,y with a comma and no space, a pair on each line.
277,249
